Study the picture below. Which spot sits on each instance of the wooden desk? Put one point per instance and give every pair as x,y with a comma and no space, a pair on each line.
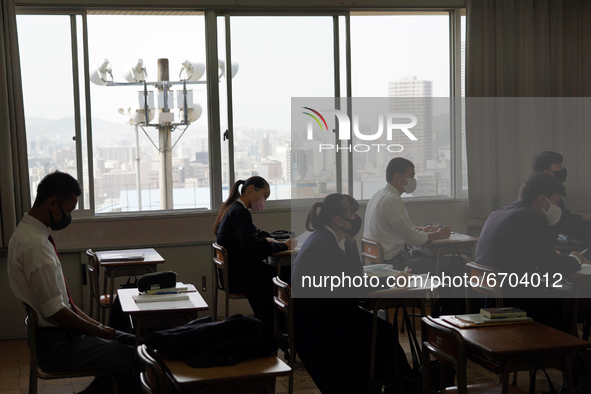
167,313
115,269
523,347
192,380
280,258
456,243
392,298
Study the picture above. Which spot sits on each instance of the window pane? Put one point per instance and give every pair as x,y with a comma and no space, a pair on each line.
46,66
120,148
405,56
464,154
280,58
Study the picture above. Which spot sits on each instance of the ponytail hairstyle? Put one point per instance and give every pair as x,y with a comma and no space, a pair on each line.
333,205
258,182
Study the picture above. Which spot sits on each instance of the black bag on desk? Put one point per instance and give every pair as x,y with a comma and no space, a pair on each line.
203,343
156,280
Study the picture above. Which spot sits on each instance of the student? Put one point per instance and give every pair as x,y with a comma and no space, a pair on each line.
386,221
67,339
518,239
576,226
333,335
248,246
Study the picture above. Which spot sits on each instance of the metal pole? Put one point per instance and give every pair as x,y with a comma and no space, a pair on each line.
138,178
165,138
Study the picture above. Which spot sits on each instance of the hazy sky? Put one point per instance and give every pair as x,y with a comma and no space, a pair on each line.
280,58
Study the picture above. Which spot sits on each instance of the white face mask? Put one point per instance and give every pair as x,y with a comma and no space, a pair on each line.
411,186
553,213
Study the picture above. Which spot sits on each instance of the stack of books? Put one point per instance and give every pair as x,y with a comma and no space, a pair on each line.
176,293
489,317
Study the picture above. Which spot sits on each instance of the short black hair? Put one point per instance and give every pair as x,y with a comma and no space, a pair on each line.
57,184
540,183
543,161
398,165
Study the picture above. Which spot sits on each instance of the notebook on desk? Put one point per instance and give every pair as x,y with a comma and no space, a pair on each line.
477,320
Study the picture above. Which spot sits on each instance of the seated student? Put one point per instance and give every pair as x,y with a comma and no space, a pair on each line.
386,221
576,226
333,335
67,339
248,246
518,239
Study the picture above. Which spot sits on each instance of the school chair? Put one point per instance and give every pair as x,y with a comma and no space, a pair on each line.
153,380
283,312
220,264
36,372
483,273
447,346
98,300
371,252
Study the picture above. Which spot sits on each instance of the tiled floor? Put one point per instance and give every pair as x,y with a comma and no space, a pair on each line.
14,374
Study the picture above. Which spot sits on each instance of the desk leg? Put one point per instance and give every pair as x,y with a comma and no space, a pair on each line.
374,330
111,300
569,373
102,313
505,381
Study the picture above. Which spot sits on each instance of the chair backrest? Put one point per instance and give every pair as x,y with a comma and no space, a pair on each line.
486,281
220,260
371,252
31,323
93,273
283,311
447,346
152,377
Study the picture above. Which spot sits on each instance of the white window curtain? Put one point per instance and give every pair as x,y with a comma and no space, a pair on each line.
519,54
14,173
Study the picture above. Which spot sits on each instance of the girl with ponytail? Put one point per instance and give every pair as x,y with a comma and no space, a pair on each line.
323,318
248,246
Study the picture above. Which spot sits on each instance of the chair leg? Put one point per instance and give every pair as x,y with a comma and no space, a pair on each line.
514,383
215,303
586,329
227,306
32,381
532,381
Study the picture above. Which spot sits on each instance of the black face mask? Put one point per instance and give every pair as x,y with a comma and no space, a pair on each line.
61,224
560,176
355,225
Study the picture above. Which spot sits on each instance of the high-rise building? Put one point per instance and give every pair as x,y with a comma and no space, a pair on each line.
413,95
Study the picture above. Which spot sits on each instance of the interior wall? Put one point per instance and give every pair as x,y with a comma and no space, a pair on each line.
184,240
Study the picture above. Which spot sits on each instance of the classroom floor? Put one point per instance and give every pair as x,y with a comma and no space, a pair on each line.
14,374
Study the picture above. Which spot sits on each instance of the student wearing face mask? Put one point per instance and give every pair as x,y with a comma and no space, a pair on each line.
247,246
387,221
67,339
333,333
576,226
518,239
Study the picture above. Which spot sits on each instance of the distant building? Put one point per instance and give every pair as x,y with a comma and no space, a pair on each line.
406,95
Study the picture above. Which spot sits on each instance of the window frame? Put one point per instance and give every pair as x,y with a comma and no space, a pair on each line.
341,77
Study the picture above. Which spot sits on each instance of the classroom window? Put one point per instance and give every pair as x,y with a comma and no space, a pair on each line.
120,162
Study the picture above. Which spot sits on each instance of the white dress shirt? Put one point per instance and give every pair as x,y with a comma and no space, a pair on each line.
386,221
35,272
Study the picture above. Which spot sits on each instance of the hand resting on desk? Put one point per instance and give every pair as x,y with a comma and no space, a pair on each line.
441,233
291,243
